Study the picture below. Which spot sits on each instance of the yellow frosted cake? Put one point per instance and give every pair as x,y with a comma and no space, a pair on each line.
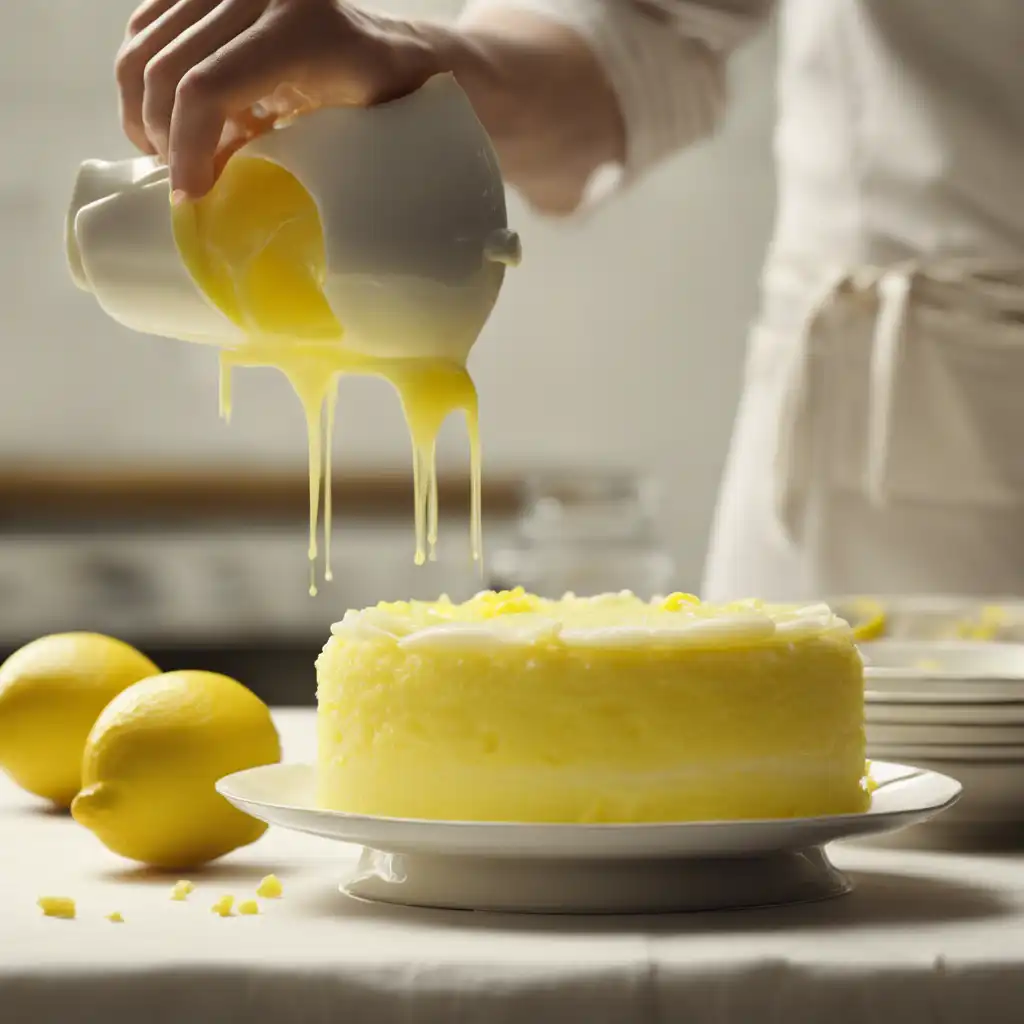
604,709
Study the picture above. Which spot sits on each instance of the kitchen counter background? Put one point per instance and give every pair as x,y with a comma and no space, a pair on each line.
629,326
280,674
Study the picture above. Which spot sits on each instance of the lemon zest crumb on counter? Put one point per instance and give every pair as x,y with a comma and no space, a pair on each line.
270,888
57,906
248,907
223,906
181,890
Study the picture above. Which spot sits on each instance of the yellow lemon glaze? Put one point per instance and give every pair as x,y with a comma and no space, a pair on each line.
255,248
987,626
868,621
603,709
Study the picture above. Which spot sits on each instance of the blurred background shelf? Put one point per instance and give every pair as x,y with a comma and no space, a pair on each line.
207,567
39,492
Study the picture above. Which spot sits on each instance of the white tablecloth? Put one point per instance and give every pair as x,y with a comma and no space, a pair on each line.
924,937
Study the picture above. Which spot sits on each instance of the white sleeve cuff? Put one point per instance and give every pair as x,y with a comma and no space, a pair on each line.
665,61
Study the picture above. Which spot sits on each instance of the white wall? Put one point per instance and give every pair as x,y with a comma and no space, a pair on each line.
623,335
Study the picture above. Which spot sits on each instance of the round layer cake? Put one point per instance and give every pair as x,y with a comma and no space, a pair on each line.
509,707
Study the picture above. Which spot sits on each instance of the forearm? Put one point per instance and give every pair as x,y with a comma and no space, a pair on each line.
569,87
543,97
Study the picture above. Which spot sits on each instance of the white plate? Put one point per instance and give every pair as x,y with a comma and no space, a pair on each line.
937,617
925,713
914,734
989,815
993,791
943,671
589,868
947,752
936,698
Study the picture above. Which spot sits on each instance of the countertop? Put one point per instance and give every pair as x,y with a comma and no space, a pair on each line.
923,937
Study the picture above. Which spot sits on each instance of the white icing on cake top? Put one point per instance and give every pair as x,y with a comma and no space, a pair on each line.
605,621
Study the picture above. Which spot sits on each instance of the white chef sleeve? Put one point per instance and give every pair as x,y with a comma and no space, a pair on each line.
665,60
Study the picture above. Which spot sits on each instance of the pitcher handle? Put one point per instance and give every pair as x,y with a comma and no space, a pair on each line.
503,246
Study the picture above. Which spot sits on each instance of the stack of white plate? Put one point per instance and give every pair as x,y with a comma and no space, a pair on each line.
956,707
932,617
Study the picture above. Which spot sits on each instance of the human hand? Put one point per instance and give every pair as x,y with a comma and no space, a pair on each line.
199,78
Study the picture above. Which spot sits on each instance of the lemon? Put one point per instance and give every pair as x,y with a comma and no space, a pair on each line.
151,762
51,692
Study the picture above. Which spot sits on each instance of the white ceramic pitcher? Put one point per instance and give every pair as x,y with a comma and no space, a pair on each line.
412,204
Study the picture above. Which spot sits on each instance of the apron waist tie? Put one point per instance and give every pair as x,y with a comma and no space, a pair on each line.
991,291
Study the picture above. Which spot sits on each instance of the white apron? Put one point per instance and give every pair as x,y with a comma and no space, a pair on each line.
879,444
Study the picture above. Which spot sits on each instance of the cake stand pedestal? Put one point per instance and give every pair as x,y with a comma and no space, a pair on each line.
563,886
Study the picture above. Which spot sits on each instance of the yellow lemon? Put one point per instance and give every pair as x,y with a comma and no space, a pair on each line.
151,762
51,692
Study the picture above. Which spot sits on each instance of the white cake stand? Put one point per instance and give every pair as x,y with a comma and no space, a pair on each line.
595,869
